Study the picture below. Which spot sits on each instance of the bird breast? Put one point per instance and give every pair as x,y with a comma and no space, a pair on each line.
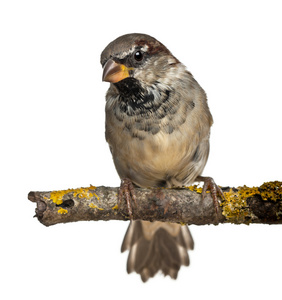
156,156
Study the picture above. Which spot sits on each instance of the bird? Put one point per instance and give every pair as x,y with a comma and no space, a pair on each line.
158,129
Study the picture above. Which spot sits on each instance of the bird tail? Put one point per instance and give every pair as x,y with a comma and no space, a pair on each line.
155,246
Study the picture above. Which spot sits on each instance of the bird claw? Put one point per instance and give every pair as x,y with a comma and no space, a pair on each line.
127,190
210,185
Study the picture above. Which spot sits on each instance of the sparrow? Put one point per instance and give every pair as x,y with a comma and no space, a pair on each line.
158,128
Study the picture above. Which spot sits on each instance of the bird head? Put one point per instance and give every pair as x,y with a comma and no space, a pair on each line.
137,56
141,70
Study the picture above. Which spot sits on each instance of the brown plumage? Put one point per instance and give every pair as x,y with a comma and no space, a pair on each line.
156,246
157,126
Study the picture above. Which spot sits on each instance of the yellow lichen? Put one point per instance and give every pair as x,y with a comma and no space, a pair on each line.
195,188
247,192
115,207
98,198
234,207
57,196
92,205
62,211
271,190
83,192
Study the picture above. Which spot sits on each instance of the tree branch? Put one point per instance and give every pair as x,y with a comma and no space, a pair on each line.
242,205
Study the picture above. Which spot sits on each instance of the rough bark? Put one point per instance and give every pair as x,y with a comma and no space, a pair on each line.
241,205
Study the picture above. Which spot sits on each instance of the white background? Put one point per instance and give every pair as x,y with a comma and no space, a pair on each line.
52,137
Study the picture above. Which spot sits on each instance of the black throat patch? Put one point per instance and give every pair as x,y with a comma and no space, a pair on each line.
134,99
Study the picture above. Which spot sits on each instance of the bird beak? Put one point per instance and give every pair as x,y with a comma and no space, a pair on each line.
114,72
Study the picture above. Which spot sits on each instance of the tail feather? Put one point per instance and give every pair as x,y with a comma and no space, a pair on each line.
156,246
133,234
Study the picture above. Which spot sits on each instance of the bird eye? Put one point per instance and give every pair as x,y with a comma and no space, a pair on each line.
138,55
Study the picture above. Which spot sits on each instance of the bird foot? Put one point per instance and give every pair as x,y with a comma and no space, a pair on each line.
210,185
127,190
